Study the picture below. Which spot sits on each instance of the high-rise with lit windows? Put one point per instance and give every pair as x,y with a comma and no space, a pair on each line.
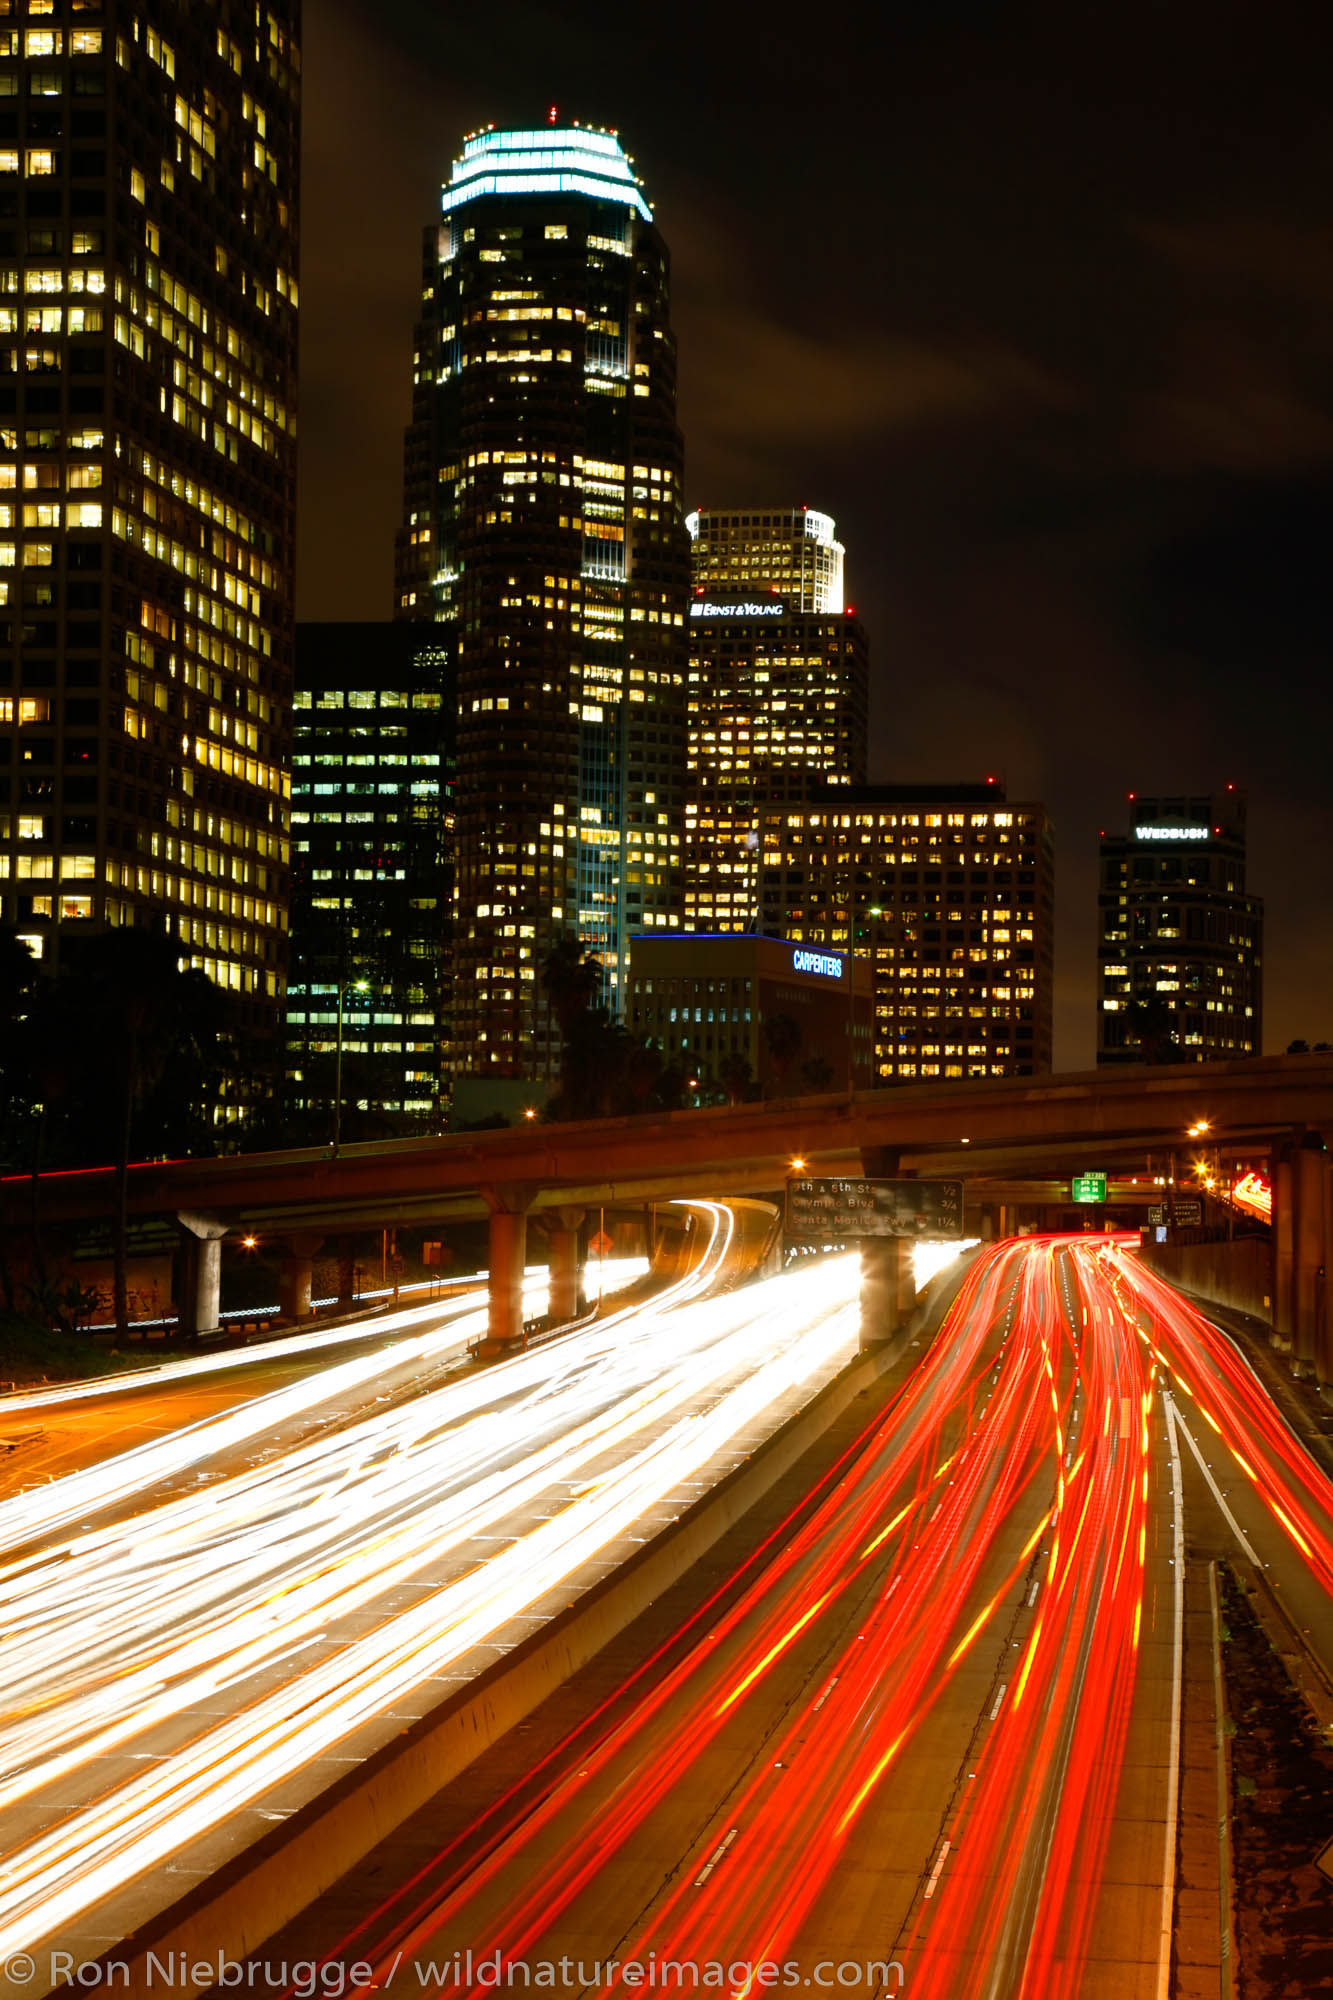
148,186
1180,944
949,891
776,702
544,518
372,877
792,550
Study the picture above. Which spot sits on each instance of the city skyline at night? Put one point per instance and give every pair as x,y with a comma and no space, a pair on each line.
1048,350
666,1269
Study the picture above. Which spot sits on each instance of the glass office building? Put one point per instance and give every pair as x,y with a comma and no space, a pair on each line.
544,520
1180,945
372,877
148,304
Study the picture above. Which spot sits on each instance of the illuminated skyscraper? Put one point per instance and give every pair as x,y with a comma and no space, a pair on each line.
949,891
792,550
544,517
776,705
1180,946
372,853
148,185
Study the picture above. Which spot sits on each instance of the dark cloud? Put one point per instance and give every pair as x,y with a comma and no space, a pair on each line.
1035,300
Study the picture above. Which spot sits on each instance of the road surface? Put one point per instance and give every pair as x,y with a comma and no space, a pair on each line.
176,1675
926,1735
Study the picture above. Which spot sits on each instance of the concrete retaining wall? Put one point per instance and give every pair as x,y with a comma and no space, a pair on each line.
1238,1275
251,1898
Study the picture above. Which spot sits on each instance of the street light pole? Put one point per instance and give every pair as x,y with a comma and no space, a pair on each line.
851,1017
338,1077
359,986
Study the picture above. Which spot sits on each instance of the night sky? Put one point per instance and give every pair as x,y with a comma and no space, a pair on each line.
1035,300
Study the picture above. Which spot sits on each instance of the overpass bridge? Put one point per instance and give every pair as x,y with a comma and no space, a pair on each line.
993,1133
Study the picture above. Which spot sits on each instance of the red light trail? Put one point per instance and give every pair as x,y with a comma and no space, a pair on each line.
1001,1510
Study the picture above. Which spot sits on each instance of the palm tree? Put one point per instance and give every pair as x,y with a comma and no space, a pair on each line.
782,1038
572,981
817,1074
735,1073
150,1037
1152,1024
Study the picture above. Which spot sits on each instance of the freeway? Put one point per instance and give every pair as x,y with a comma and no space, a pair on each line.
62,1428
180,1673
187,1418
925,1732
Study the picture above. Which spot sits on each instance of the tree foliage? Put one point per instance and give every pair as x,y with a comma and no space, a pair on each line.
605,1071
783,1039
121,1055
1152,1027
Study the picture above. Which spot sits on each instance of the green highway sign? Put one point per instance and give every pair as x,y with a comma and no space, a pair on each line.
1088,1187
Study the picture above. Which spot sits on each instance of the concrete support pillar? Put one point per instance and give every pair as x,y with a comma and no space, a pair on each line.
562,1236
1284,1247
346,1274
296,1275
1309,1252
1323,1305
627,1236
888,1288
508,1243
888,1284
199,1309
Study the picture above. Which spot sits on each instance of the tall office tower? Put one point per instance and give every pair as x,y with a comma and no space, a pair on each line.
372,876
776,702
543,515
1180,944
950,892
148,186
792,550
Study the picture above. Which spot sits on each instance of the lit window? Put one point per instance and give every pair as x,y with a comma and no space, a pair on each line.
26,708
39,160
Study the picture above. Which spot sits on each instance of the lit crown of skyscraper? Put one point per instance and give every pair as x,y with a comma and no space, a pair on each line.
557,160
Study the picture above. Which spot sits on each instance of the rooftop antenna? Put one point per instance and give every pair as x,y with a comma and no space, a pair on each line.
552,115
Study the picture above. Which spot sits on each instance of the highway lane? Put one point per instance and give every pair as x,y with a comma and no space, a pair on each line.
127,1433
938,1726
1273,1502
175,1680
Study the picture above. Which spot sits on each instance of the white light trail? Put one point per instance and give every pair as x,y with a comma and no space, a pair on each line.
471,1502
